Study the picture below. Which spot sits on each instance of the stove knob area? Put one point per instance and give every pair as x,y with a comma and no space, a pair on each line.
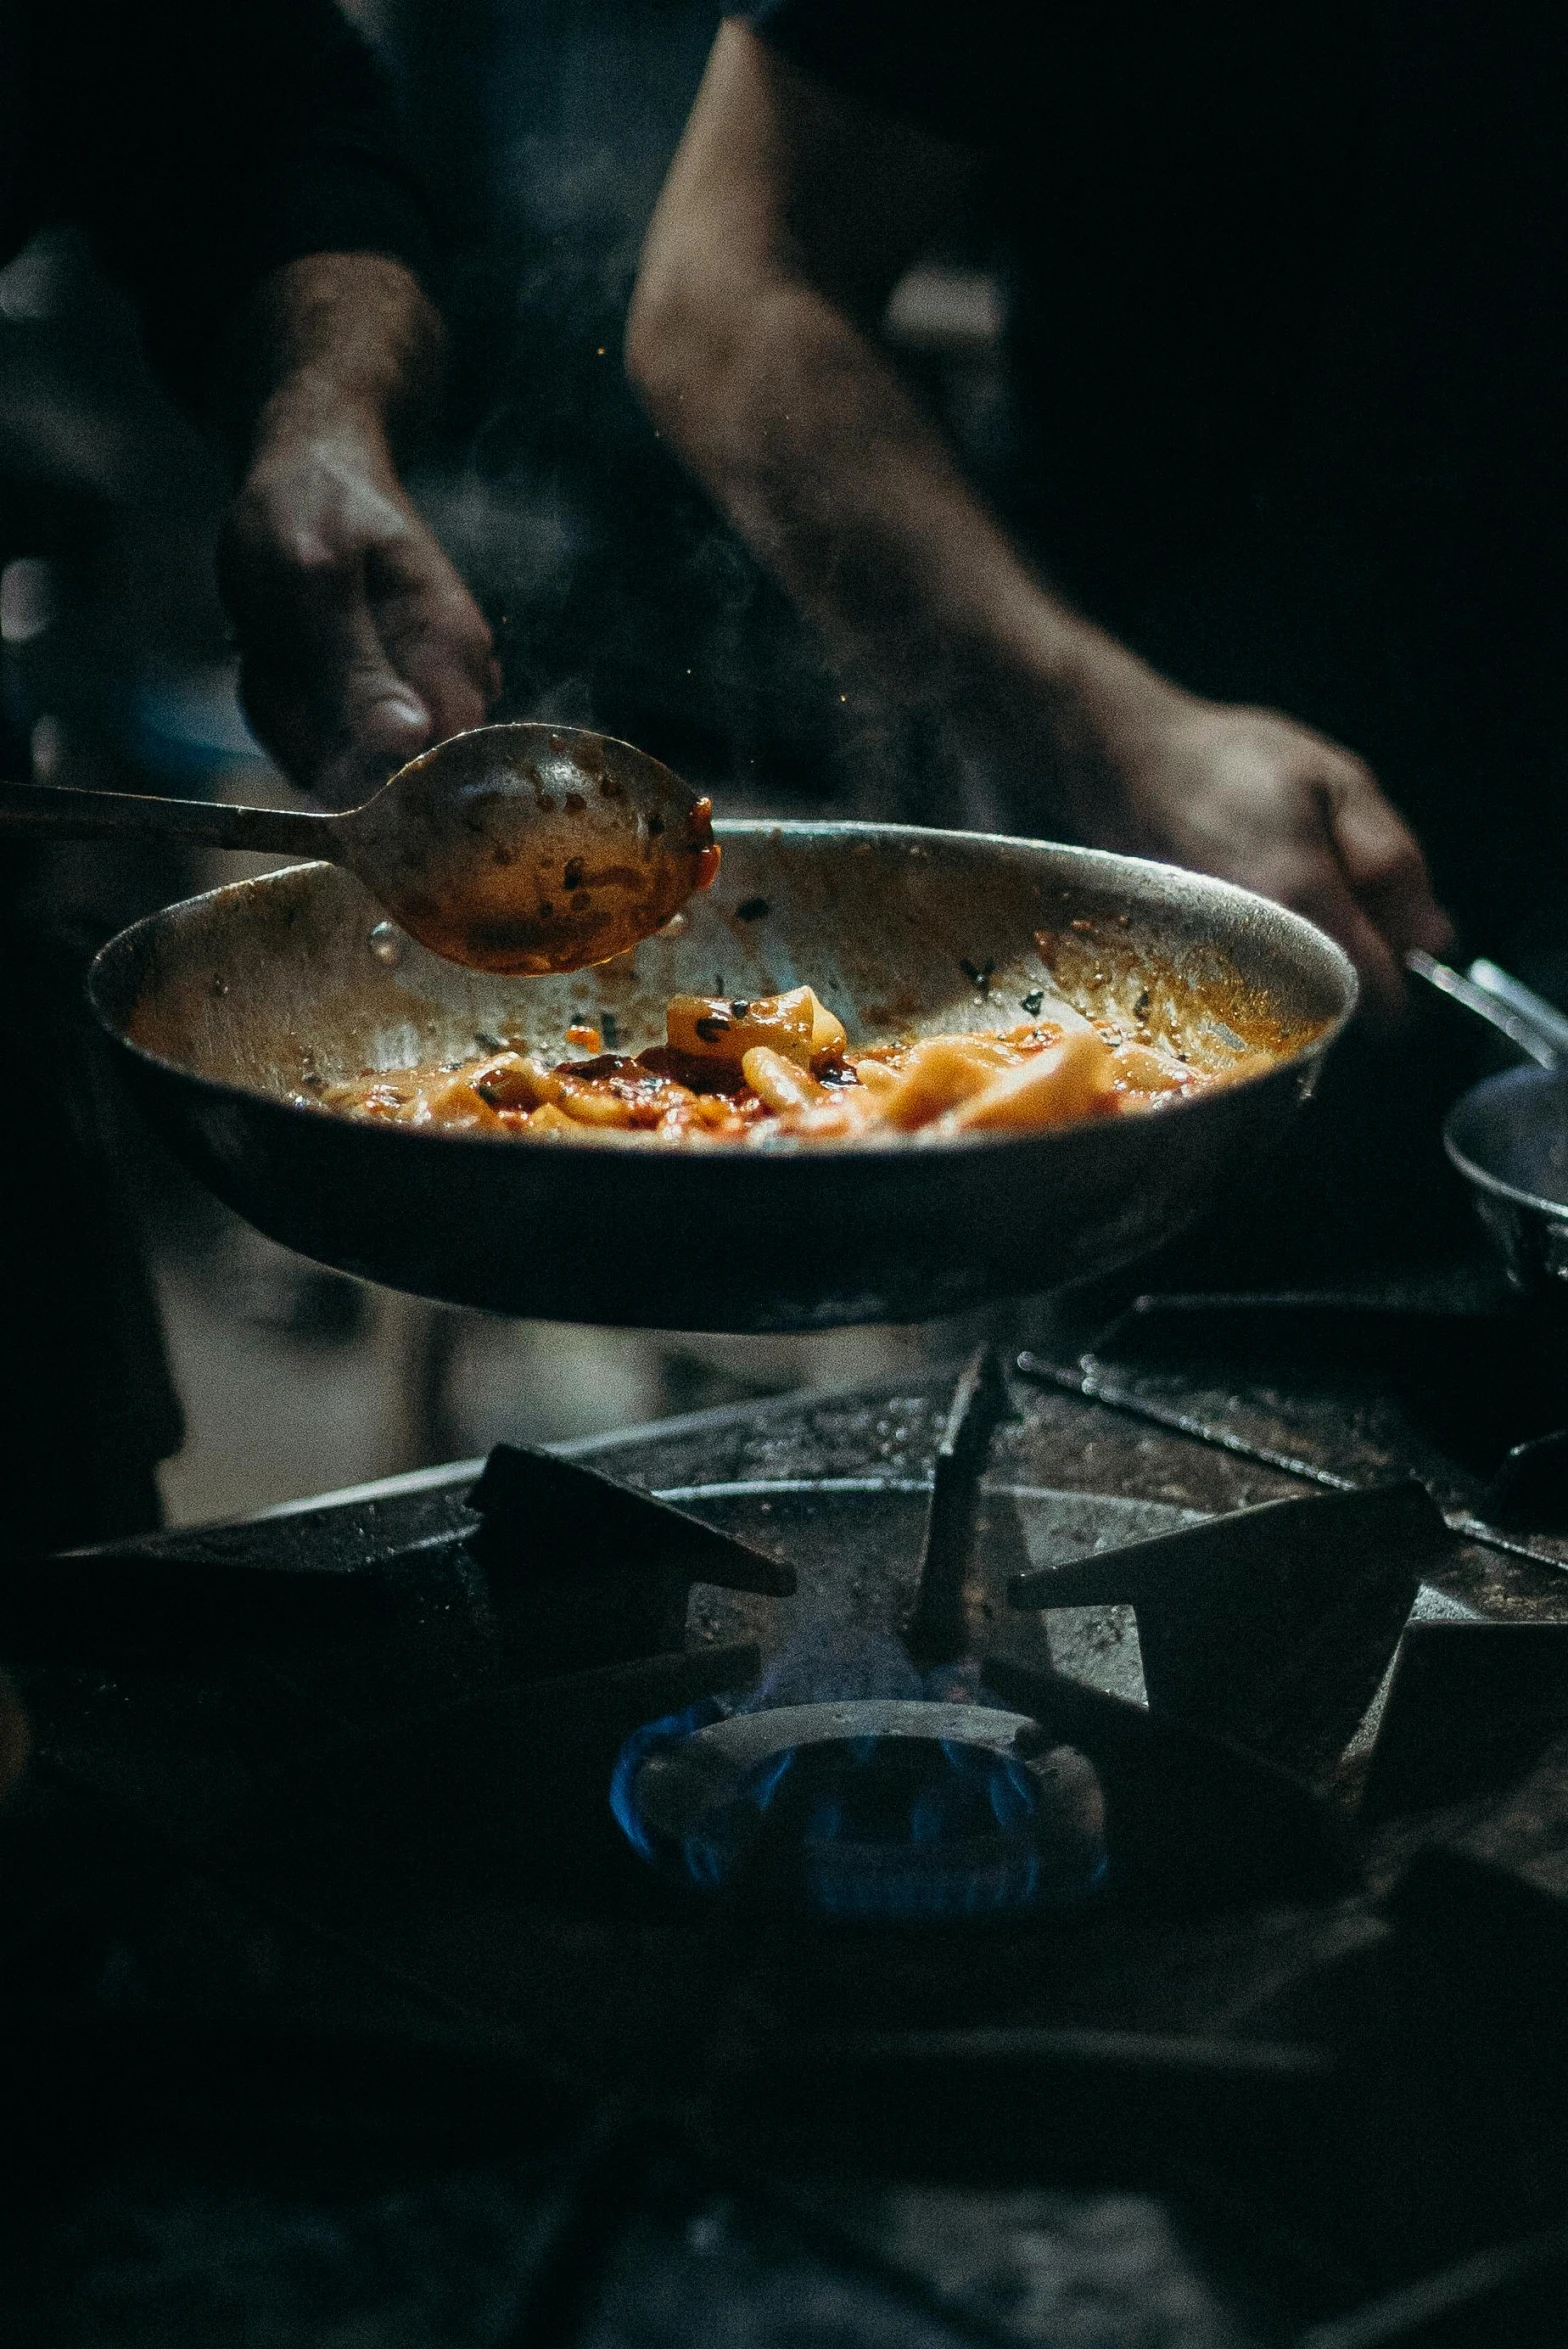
14,1740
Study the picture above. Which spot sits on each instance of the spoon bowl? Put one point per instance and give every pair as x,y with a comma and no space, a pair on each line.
531,848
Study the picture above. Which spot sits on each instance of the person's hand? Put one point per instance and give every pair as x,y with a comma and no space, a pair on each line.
359,643
1256,798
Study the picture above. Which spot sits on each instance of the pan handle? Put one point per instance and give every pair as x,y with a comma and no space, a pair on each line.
64,813
1534,1027
1544,1017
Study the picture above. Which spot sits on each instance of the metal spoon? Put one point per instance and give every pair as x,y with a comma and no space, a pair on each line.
525,848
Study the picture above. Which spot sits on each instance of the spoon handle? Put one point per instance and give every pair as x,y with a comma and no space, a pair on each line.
61,811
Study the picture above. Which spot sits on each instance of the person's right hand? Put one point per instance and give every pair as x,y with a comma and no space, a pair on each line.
1257,798
360,645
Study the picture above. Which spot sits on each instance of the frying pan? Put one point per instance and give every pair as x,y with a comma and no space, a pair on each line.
229,1008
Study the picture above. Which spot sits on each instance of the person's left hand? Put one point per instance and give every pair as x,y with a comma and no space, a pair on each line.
359,643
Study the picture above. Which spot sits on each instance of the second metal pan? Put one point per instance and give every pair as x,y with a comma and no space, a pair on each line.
1508,1137
229,1007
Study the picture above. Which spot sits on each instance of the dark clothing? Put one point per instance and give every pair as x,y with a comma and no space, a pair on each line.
86,1405
1176,187
202,144
1291,340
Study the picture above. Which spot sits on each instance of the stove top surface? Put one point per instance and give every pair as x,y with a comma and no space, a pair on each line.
336,1994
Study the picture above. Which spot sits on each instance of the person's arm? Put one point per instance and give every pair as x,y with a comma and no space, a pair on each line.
787,216
241,169
359,642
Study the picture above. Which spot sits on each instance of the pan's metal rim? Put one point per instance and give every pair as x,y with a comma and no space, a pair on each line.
1103,864
1531,1079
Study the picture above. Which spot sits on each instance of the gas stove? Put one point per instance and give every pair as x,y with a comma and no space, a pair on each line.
1070,1850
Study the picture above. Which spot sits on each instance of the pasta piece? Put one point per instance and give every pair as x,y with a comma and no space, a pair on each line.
941,1072
712,1027
593,1105
726,1028
515,1080
831,1120
549,1124
781,1083
614,1092
456,1106
1144,1070
854,1109
717,1114
828,1032
1073,1079
377,1101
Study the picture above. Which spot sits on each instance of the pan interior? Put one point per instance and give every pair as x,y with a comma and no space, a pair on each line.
1510,1133
280,984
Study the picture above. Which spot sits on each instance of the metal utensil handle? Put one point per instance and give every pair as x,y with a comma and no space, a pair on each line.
1506,1018
1512,993
65,813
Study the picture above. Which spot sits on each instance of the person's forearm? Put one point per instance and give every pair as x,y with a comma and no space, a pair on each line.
806,435
336,342
789,212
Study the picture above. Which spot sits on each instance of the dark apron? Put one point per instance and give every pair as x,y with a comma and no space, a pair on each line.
86,1403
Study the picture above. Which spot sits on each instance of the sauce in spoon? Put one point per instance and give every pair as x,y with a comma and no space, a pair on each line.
532,848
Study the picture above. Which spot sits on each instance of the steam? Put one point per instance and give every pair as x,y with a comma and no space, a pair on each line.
620,599
831,1659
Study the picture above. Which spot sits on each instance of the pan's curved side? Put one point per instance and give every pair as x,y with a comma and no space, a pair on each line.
221,1006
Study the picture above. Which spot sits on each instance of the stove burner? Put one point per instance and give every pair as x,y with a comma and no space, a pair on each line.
874,1810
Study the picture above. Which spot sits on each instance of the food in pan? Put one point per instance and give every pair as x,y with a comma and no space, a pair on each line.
777,1070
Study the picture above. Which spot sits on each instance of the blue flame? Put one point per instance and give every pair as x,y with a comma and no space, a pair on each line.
967,1842
653,1737
769,1778
887,1829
